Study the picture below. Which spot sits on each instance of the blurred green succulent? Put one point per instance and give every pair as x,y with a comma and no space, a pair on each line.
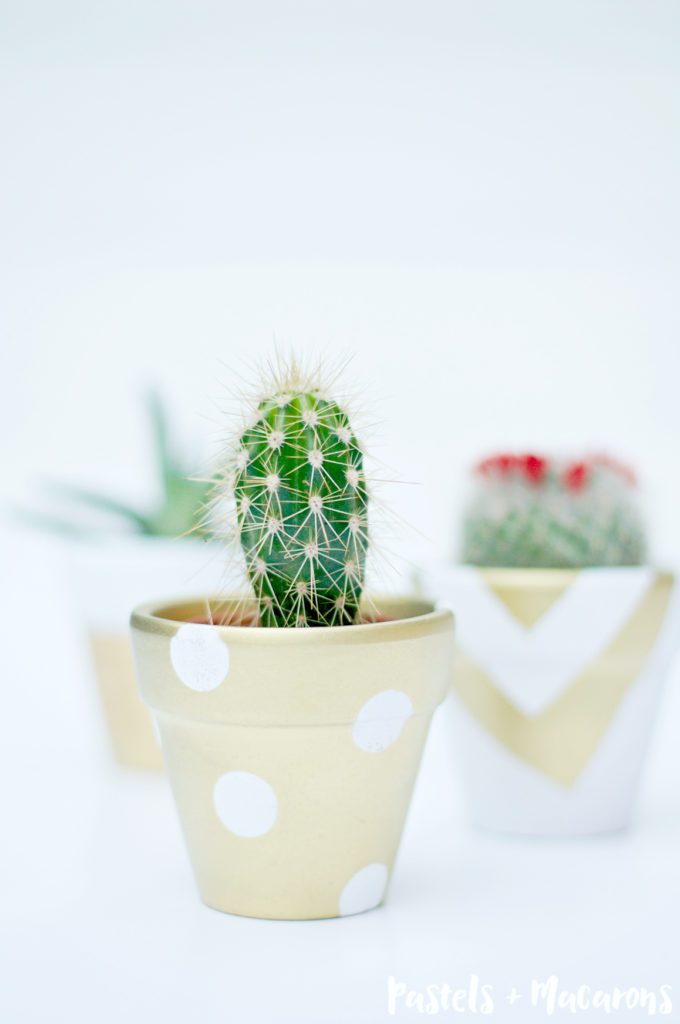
180,510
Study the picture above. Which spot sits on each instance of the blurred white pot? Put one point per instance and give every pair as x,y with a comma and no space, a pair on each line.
109,578
556,686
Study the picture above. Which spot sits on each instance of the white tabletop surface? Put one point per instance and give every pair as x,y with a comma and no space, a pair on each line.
102,923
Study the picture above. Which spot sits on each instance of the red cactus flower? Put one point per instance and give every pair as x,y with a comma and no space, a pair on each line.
501,464
624,471
534,467
576,476
483,467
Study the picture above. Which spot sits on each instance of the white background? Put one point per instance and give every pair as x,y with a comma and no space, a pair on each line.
479,200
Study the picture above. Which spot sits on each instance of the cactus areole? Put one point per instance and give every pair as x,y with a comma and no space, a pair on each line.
302,510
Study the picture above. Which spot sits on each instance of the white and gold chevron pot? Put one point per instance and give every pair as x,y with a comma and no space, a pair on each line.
556,684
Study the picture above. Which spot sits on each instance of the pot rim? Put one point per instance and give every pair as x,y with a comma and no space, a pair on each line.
153,617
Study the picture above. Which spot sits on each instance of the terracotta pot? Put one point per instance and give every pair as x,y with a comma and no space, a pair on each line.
292,753
556,687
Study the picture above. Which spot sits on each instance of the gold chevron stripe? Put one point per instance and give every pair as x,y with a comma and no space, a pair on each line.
561,740
527,604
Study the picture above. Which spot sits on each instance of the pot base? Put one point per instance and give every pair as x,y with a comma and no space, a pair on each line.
291,916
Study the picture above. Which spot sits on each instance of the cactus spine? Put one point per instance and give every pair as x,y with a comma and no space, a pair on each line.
302,507
529,511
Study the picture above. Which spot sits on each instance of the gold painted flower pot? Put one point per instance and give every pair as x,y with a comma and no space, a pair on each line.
108,577
556,686
128,723
292,753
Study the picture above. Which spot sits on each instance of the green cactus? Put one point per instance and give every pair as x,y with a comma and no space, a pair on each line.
530,511
302,507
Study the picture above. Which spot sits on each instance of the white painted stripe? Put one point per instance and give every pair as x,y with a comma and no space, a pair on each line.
532,666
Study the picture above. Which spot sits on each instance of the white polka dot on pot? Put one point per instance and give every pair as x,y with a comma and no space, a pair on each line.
381,720
245,804
364,891
199,657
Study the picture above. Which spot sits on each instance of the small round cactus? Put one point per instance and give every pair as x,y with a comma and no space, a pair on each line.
535,512
299,487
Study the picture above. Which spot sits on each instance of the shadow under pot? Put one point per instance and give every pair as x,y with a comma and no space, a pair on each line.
556,686
292,753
